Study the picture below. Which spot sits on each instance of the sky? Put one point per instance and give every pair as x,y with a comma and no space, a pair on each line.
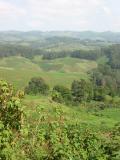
60,15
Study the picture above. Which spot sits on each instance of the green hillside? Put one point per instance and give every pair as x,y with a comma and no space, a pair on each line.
82,114
18,70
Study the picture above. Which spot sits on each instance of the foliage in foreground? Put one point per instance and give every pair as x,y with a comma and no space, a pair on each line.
51,137
10,118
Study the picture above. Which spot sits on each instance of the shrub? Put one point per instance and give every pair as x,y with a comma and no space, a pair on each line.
81,91
37,86
5,142
10,107
54,139
63,92
10,119
112,145
56,96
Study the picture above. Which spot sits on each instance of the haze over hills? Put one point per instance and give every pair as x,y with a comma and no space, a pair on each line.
39,35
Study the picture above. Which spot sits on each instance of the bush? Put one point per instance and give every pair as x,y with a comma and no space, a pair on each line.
10,119
63,92
112,145
10,107
54,139
81,91
5,142
37,86
56,96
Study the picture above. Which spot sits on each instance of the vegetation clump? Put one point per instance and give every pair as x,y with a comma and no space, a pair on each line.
10,119
37,86
61,94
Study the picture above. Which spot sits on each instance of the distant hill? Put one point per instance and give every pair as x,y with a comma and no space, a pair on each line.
38,35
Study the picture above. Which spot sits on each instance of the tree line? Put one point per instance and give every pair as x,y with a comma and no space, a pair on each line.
81,91
112,53
17,50
82,54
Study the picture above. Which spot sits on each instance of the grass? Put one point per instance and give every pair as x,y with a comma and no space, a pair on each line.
66,65
18,70
104,120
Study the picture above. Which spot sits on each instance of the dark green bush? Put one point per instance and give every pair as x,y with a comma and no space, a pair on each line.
10,119
112,144
57,97
37,86
63,94
81,91
10,107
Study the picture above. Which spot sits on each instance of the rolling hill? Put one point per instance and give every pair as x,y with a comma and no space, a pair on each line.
18,70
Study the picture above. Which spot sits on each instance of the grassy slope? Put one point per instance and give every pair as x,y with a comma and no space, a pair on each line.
19,70
103,120
67,65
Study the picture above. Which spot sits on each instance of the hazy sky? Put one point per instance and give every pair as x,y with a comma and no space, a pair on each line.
98,15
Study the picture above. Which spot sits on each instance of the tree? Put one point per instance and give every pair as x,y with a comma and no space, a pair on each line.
37,86
80,91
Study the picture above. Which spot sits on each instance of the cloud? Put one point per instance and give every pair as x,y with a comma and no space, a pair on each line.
71,13
107,10
11,16
63,7
7,9
59,14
